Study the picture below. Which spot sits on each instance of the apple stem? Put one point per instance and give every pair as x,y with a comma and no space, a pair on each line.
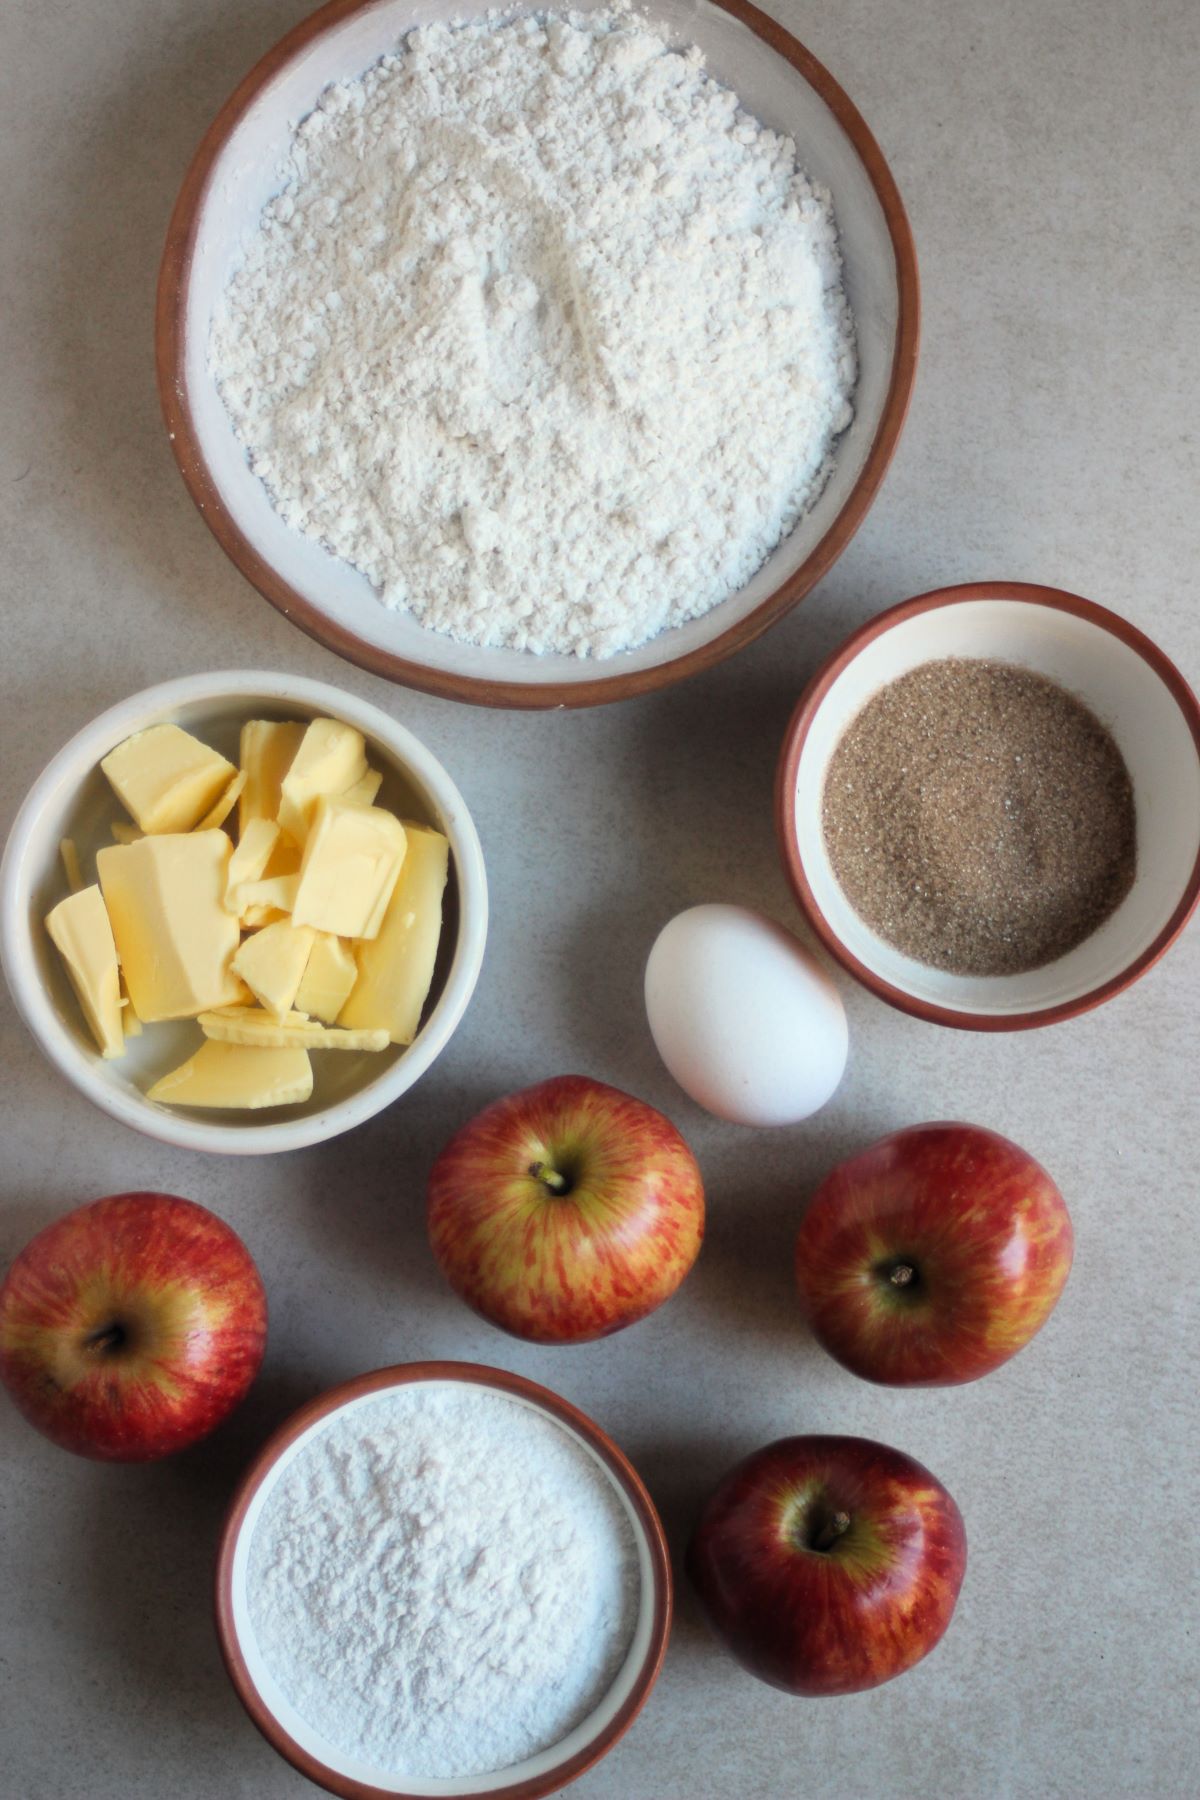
549,1178
831,1531
901,1275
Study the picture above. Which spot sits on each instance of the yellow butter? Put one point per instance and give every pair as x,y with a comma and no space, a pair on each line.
253,918
267,896
166,778
234,1075
124,833
328,978
165,897
331,758
272,963
251,855
220,811
70,863
247,1025
80,929
277,893
285,859
129,1019
396,969
363,792
265,753
352,859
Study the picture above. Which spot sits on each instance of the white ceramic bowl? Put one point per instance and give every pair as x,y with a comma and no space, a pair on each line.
72,798
544,1774
1131,687
236,170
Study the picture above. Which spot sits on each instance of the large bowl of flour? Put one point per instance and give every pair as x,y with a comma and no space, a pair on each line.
442,1579
536,360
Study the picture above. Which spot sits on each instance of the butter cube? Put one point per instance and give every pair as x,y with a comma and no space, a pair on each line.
274,893
70,863
166,778
332,757
80,929
220,811
129,1019
125,833
165,897
284,859
331,973
269,895
363,792
233,1075
266,751
254,917
352,859
396,969
250,858
272,962
247,1025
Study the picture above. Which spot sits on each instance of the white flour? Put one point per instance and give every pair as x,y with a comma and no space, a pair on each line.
443,1582
542,333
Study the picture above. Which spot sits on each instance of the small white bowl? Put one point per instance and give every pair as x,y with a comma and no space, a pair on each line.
1131,687
550,1770
236,170
72,799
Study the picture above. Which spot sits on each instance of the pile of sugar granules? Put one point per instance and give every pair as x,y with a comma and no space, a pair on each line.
979,817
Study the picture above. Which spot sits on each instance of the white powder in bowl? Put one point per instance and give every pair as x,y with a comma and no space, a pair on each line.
542,332
443,1581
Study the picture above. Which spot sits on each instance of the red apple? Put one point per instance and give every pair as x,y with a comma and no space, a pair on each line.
828,1564
131,1327
933,1256
566,1211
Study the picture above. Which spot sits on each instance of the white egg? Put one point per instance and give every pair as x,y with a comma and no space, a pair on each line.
745,1019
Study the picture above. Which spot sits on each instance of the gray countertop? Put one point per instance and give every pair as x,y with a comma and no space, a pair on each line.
1045,156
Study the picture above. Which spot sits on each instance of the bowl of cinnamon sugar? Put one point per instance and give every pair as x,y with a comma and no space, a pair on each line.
988,805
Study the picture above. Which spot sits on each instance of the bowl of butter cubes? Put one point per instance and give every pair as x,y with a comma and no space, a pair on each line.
243,912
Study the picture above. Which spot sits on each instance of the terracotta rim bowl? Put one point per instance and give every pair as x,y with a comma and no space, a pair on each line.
1131,686
231,176
538,1776
71,798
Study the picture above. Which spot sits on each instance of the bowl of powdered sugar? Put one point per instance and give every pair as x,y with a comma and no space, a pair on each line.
542,358
442,1579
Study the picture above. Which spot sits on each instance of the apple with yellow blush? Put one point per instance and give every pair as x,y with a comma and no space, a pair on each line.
567,1211
131,1327
933,1256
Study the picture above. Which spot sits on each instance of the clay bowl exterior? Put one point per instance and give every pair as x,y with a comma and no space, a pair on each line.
232,176
548,1772
1133,689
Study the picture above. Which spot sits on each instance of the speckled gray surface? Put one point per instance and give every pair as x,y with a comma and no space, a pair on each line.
1046,160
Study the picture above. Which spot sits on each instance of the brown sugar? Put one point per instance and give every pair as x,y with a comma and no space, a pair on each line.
979,817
